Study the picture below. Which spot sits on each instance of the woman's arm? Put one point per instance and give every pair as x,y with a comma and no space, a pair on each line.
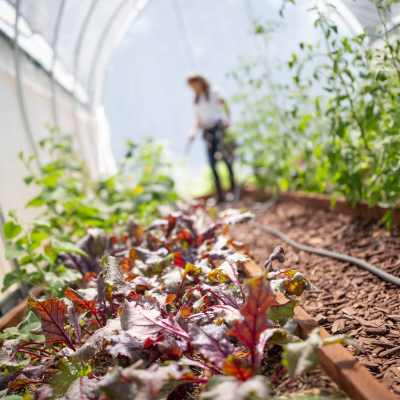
194,131
197,126
226,109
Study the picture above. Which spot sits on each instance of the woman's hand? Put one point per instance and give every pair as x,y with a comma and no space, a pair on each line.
192,137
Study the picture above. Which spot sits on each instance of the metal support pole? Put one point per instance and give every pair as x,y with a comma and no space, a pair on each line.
100,47
259,49
77,54
54,46
20,93
188,44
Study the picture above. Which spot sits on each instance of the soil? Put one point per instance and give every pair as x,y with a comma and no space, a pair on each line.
344,299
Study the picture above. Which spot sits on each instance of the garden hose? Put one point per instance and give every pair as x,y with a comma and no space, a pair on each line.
385,276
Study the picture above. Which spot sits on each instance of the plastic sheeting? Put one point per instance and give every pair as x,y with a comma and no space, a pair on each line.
76,28
367,14
70,42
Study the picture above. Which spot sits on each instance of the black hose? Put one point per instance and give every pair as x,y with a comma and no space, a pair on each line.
326,253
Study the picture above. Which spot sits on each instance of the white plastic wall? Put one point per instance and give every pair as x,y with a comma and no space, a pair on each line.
13,138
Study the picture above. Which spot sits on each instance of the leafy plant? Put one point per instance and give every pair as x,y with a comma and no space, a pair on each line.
333,129
75,213
28,329
156,318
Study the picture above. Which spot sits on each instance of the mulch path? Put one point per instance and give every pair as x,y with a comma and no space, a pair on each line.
345,299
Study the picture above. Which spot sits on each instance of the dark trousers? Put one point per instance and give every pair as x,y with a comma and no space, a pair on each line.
215,152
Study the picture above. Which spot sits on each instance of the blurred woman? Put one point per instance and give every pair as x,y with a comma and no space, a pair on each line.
212,118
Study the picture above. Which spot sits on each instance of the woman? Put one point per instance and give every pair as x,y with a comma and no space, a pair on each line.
212,119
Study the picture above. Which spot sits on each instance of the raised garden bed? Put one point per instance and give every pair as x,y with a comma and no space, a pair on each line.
340,366
324,202
337,362
346,300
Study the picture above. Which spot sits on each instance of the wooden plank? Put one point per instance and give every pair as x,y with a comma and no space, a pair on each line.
340,365
17,314
324,202
337,362
14,316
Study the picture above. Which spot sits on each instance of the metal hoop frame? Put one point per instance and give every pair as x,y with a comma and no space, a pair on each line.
54,46
20,91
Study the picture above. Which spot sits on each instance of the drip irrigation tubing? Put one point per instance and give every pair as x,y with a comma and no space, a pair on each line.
358,262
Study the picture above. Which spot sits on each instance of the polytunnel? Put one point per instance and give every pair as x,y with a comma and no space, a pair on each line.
57,61
107,71
60,50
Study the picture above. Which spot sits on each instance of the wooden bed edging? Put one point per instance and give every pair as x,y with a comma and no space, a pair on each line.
340,365
17,314
323,202
337,362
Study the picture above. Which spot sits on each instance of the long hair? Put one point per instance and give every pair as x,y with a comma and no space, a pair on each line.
204,84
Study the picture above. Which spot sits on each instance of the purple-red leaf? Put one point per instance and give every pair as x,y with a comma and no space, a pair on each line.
52,313
142,319
254,315
179,260
80,303
138,318
210,341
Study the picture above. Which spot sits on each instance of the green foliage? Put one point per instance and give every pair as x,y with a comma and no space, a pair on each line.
157,309
67,372
11,229
334,127
301,356
28,329
142,184
69,203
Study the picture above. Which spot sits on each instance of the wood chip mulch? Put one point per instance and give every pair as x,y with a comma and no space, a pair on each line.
345,299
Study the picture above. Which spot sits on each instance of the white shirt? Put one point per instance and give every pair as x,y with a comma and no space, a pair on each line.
209,112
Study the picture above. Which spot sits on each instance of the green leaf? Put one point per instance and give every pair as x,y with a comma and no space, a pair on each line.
67,373
38,236
11,229
9,333
25,259
10,278
29,179
51,181
28,329
228,388
282,313
36,202
259,29
12,252
67,247
301,356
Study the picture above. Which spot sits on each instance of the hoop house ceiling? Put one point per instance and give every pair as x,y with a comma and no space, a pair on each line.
78,34
367,15
72,41
82,32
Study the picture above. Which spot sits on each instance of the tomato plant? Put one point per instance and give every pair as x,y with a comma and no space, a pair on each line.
334,128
